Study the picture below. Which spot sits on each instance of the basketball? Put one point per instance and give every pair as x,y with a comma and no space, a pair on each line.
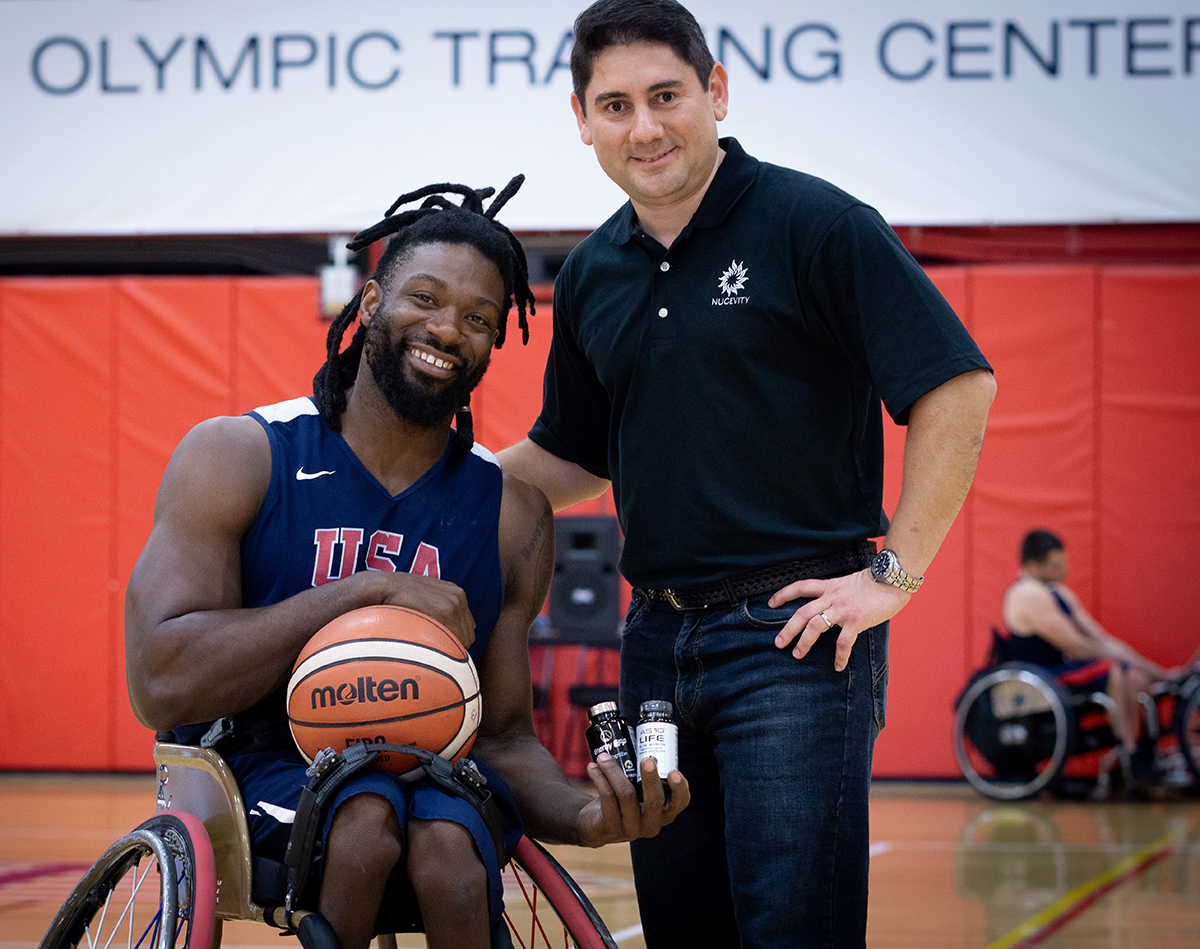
384,675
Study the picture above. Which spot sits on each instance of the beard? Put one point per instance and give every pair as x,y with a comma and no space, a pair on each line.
419,401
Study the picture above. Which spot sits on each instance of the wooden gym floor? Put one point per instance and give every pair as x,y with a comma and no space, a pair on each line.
950,869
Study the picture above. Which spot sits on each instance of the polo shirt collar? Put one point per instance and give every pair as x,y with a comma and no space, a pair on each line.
735,175
732,179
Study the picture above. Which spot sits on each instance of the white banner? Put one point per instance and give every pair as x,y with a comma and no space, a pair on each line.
303,116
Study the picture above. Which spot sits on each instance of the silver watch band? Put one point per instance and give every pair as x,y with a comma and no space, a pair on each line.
890,572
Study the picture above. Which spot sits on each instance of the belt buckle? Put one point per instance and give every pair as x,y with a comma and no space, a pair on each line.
672,598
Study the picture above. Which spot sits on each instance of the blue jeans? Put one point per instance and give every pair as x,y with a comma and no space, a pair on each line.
773,849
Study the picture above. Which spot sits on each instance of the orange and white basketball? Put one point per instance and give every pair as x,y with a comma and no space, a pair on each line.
386,675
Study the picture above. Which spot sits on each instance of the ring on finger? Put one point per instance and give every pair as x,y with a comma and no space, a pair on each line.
828,624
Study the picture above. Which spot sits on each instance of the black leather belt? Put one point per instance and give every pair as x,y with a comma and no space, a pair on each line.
766,580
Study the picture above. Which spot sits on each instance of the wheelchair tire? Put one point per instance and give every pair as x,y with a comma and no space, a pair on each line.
118,902
1014,730
1187,723
552,910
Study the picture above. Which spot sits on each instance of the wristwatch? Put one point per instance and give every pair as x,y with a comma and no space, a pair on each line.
885,568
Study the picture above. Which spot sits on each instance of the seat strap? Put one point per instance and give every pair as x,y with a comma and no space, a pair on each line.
330,770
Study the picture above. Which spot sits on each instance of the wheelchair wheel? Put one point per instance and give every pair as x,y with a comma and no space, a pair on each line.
1187,723
154,888
1013,731
545,907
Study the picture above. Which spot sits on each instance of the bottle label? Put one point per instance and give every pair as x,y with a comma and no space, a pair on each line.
615,739
660,741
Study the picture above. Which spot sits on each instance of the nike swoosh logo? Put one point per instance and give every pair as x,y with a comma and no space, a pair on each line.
302,475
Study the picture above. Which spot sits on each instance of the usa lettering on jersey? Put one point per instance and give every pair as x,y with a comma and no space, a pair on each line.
338,548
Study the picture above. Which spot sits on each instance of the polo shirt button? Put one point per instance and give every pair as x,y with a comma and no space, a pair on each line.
664,266
663,311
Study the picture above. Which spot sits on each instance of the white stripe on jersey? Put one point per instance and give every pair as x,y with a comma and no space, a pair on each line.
286,411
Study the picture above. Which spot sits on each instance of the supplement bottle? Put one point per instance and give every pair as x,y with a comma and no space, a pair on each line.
608,731
658,738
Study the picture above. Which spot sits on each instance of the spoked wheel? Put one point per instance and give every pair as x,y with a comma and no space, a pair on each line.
1187,723
1013,731
544,907
154,888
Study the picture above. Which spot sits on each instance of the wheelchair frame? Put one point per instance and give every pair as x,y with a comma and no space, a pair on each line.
199,845
1039,728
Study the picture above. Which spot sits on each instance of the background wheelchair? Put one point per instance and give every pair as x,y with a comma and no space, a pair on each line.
1016,729
172,881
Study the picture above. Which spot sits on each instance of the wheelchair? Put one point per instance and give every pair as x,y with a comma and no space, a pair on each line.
1016,730
172,881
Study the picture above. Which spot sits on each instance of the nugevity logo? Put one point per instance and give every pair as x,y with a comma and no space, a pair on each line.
731,284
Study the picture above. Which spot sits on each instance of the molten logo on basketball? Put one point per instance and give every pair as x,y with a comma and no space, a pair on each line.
366,690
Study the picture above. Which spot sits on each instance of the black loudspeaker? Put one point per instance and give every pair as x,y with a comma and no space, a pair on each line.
585,594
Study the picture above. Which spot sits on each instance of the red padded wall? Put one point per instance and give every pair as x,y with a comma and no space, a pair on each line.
1038,469
510,396
1149,459
280,339
1095,434
57,453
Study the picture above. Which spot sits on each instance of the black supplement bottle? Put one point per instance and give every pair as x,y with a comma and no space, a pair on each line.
608,731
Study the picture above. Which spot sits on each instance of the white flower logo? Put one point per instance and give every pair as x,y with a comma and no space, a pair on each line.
733,279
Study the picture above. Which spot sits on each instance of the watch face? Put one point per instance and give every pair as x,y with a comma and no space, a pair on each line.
882,564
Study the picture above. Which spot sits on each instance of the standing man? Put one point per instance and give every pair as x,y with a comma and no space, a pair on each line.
269,525
721,347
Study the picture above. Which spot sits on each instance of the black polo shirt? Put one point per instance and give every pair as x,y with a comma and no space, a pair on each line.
730,386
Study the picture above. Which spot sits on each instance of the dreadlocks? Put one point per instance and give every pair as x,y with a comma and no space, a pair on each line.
437,220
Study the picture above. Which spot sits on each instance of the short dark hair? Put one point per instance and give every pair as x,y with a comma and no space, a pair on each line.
1038,545
621,22
437,221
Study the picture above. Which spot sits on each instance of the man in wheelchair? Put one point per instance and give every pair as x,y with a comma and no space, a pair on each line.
269,525
1047,625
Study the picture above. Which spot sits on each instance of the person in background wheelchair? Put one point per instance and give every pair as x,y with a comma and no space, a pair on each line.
1048,626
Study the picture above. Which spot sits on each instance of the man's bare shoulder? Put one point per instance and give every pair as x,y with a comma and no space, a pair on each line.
1024,596
232,443
1024,587
232,431
222,461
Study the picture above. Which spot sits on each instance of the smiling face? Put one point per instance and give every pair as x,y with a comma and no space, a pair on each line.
430,334
652,124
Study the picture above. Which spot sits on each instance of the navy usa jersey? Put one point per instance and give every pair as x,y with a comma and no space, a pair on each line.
325,517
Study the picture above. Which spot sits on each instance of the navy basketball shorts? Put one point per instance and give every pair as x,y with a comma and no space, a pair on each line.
271,782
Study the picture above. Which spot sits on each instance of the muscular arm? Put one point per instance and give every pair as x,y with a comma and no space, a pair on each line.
941,451
552,809
563,482
1029,607
192,652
